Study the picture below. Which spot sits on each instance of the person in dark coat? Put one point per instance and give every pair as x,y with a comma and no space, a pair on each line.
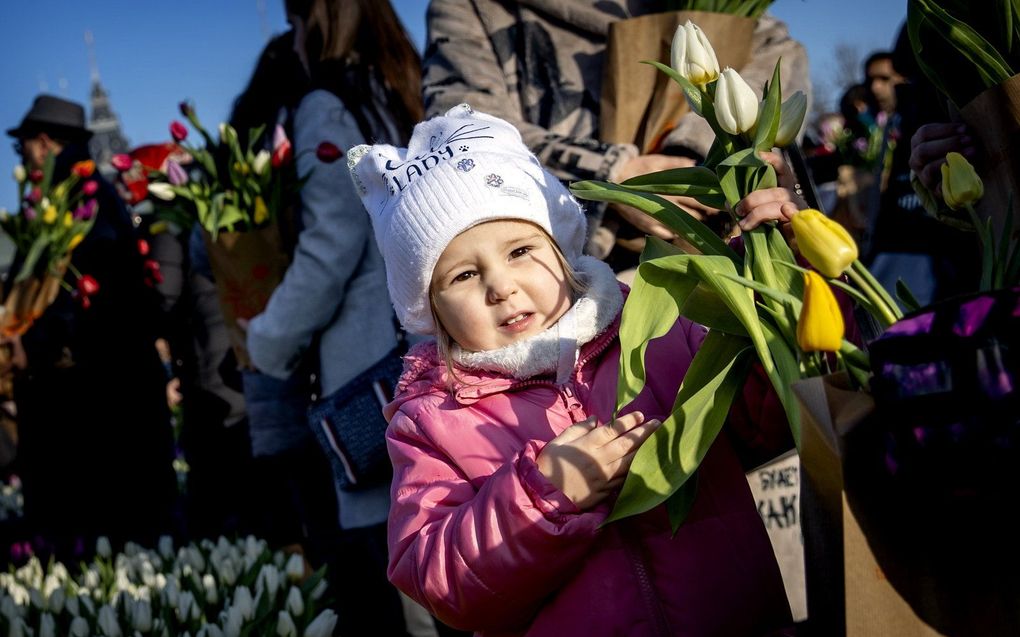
95,447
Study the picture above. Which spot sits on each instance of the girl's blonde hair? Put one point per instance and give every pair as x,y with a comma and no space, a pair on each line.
444,342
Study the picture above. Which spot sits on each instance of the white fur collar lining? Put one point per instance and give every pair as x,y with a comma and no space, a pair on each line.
556,349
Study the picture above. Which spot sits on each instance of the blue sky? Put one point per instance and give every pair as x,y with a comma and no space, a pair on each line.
151,55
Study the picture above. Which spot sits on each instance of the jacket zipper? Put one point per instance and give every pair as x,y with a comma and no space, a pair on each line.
645,583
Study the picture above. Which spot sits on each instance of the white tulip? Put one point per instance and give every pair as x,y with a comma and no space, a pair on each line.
692,55
162,191
211,593
791,118
295,567
56,600
79,627
228,575
295,603
36,598
285,625
8,608
166,546
243,601
736,105
141,616
19,173
261,162
269,578
17,628
47,626
319,590
184,603
86,601
235,620
103,547
72,605
322,625
108,621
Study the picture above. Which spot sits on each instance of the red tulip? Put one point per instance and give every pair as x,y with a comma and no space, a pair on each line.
34,195
84,169
121,162
90,187
143,247
328,152
152,271
88,285
282,151
35,176
178,131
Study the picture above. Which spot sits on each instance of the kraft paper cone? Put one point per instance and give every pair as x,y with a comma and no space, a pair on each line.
28,299
641,104
247,267
995,117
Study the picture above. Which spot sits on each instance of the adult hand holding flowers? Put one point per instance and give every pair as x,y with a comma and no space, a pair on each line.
929,147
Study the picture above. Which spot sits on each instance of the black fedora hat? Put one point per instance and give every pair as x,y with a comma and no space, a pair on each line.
55,116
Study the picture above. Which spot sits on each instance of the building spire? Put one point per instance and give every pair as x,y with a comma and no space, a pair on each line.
107,139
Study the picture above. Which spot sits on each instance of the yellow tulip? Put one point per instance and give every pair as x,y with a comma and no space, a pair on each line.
960,182
50,214
261,212
75,240
241,168
824,242
68,220
820,327
59,191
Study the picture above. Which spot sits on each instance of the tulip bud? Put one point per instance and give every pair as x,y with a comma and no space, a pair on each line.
261,211
87,286
243,602
322,625
47,626
791,118
175,174
187,110
820,326
178,131
692,55
90,187
211,592
103,547
108,621
736,105
141,616
295,603
50,214
162,191
961,185
20,175
17,628
235,620
166,543
121,162
79,627
328,152
261,162
285,625
282,151
84,169
823,242
295,568
35,176
56,600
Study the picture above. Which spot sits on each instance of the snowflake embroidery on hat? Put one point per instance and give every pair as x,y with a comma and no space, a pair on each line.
494,180
465,165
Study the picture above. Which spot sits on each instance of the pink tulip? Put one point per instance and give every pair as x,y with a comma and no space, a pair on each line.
30,213
178,131
175,174
34,195
90,187
121,162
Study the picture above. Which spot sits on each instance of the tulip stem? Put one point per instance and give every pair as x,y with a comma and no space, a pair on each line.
889,312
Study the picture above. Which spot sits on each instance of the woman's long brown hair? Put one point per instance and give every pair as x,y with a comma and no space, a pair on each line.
350,43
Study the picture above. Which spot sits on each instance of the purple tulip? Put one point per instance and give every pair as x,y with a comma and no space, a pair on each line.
175,174
30,213
86,211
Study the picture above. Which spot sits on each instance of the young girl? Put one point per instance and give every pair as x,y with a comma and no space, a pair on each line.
506,459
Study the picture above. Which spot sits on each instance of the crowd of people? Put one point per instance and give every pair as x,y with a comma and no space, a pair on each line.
448,228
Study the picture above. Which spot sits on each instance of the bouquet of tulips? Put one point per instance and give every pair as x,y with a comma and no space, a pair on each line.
759,303
746,8
51,220
208,589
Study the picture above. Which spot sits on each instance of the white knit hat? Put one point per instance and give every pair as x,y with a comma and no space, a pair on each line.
459,169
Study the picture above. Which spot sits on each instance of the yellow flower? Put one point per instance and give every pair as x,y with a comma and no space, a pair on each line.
824,242
60,190
960,182
241,168
75,240
261,212
50,214
820,327
68,220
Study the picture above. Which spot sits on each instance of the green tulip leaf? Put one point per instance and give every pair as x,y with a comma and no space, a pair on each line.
697,181
779,250
656,248
666,212
671,455
679,505
787,370
768,119
906,297
691,92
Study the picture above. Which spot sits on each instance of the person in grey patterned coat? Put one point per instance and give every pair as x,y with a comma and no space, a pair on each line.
538,64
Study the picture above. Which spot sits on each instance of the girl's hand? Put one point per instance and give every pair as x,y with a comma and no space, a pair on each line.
928,149
588,463
771,204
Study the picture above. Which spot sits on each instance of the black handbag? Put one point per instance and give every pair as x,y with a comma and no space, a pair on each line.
350,426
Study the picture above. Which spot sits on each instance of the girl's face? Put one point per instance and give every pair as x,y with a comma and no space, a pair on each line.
499,282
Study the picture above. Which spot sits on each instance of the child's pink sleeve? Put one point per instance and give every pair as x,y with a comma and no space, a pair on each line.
478,556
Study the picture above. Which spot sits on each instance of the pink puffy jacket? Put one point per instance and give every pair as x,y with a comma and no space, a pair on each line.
485,542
